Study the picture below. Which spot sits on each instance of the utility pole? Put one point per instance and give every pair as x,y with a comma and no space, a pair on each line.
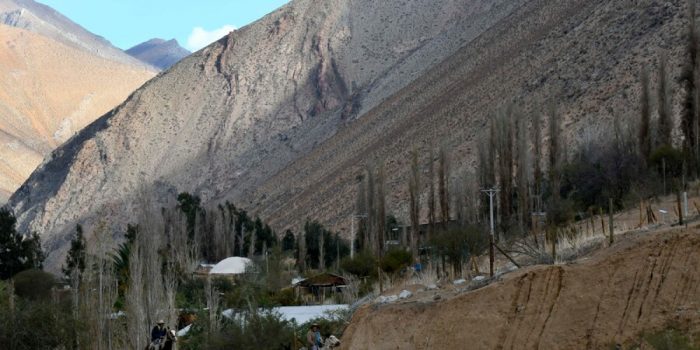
491,193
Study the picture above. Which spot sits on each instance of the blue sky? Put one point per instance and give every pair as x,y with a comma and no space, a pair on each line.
194,23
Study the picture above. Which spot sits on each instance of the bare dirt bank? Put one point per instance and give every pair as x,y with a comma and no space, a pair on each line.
643,283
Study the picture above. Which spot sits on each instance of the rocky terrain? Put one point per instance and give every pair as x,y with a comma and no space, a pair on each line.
41,19
639,292
225,119
159,53
281,116
48,92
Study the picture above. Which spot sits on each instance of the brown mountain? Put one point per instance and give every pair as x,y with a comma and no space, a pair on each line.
49,91
41,19
281,116
159,53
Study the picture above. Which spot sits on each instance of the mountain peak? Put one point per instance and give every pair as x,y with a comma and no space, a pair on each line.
159,52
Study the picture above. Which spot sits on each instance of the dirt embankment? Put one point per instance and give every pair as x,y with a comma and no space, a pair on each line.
643,284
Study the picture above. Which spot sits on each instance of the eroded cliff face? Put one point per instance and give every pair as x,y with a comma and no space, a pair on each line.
637,287
224,120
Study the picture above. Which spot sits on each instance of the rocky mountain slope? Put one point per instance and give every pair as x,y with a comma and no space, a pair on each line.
240,110
628,294
48,92
159,53
281,116
583,56
41,19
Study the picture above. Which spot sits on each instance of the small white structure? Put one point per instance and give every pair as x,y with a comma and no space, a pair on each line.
235,265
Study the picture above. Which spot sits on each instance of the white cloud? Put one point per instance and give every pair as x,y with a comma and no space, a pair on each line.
201,37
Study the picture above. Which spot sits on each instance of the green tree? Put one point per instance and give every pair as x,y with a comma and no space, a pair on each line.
288,241
17,253
76,254
191,206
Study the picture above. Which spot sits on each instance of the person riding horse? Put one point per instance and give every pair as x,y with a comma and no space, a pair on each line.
161,337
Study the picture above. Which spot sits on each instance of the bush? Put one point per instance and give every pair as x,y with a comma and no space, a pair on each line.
363,265
254,330
34,284
672,158
395,260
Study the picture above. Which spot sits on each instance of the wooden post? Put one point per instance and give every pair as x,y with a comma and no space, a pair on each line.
641,215
680,209
602,220
611,223
491,258
554,245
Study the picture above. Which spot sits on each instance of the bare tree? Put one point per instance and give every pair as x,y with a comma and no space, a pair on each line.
665,124
644,118
688,81
301,240
537,153
504,148
443,186
381,208
523,178
414,193
554,151
251,247
321,252
361,209
371,209
431,195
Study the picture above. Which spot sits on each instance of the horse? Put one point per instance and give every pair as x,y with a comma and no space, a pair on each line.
330,343
167,343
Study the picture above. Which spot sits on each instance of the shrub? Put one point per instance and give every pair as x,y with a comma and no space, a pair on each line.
363,265
395,260
254,330
34,284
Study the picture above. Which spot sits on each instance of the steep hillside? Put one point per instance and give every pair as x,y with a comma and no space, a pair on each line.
583,56
227,118
41,19
159,53
49,91
621,295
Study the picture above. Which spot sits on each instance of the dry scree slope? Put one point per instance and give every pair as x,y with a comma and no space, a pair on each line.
638,286
584,56
225,119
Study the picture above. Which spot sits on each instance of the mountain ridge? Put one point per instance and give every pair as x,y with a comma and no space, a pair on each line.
158,52
44,20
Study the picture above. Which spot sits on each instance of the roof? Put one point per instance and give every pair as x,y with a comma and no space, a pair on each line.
323,280
235,265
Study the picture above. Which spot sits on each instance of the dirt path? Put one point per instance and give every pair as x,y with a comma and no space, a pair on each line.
645,282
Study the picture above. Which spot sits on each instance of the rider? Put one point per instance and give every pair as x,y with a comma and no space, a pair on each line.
158,331
313,337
